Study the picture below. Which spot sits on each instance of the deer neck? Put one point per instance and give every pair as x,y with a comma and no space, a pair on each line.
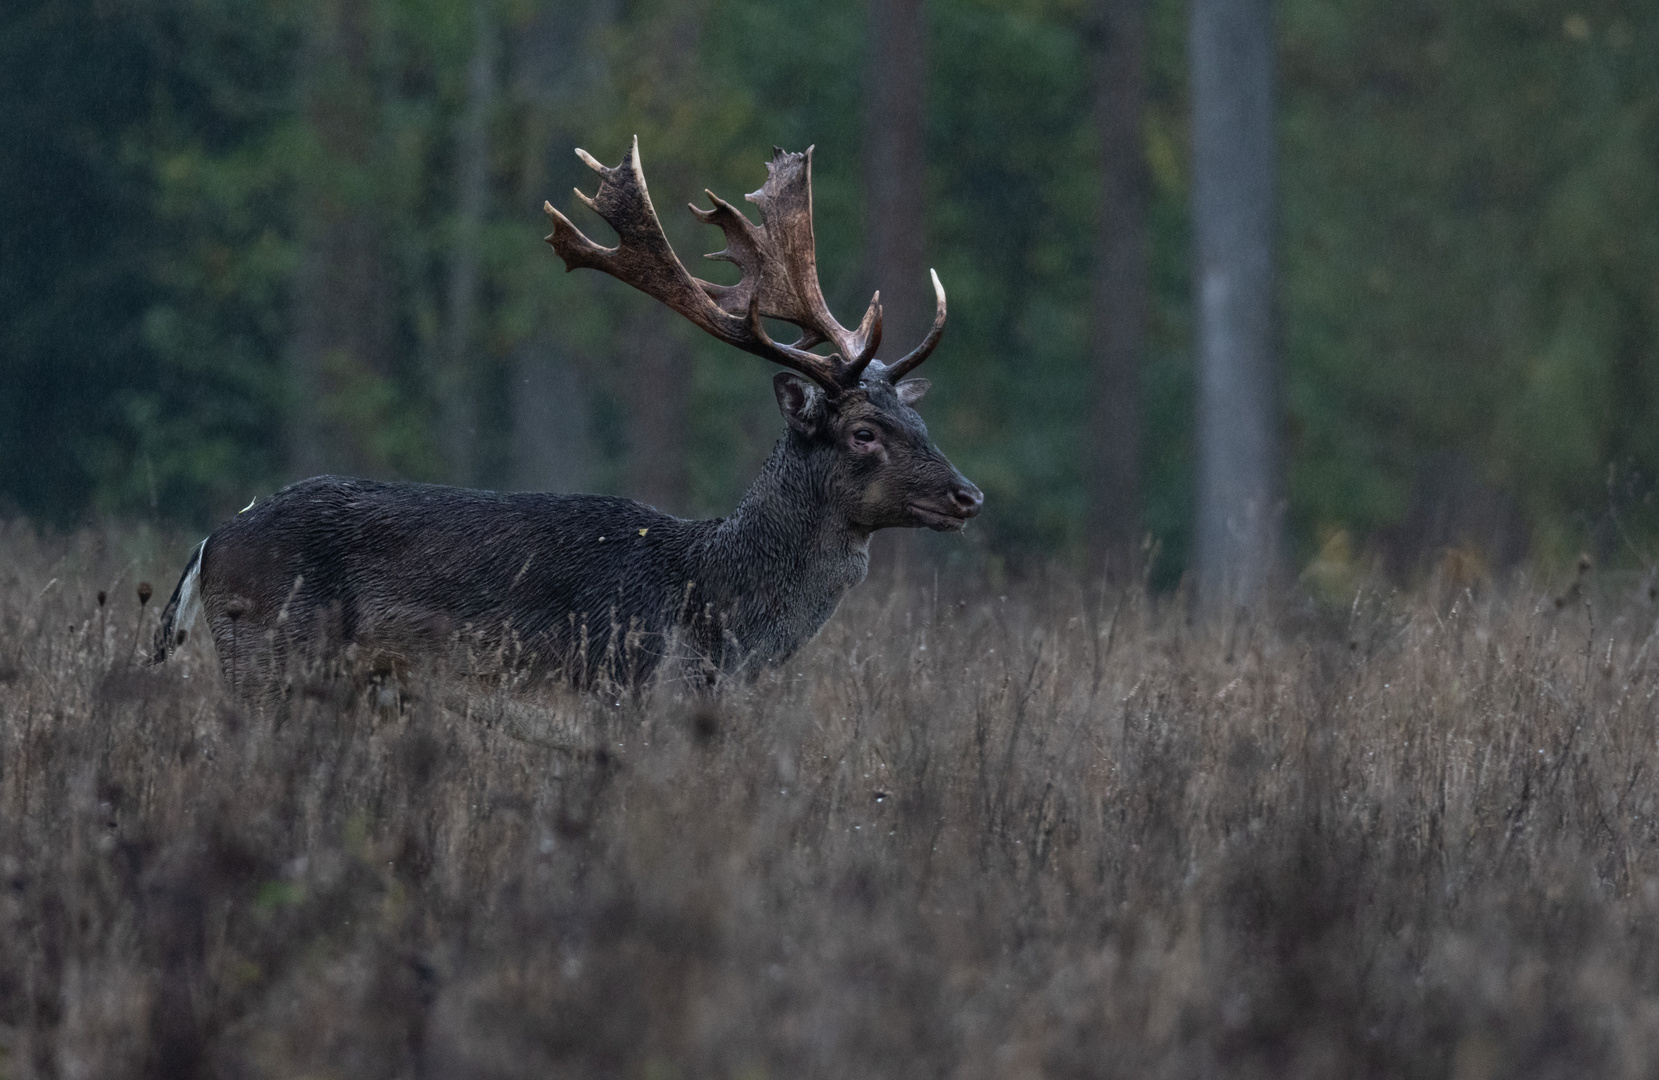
788,522
784,558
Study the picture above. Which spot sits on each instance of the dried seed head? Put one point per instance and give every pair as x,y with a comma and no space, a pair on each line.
144,593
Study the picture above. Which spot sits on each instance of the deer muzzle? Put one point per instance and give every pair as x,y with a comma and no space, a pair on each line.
962,501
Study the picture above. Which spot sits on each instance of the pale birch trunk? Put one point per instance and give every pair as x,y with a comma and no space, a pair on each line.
1239,515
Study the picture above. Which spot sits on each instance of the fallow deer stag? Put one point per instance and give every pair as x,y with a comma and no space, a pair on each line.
590,586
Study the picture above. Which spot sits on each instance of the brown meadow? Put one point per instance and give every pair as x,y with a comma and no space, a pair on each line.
1057,832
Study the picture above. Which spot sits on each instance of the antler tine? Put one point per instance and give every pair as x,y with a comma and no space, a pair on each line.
914,358
778,260
785,200
868,335
644,259
865,340
810,364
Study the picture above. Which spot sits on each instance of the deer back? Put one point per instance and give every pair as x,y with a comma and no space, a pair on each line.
405,570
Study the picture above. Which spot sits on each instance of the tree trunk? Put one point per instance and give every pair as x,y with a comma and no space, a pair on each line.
552,441
559,64
1232,58
344,311
895,180
657,361
1118,333
895,201
660,379
456,384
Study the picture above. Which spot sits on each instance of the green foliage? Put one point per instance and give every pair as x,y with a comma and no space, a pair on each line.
1470,221
1472,216
75,225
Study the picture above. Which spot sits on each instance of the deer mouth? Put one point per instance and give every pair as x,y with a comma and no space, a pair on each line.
938,520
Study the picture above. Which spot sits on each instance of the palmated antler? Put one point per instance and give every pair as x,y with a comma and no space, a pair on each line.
778,260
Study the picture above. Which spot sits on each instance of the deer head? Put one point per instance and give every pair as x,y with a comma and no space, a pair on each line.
845,406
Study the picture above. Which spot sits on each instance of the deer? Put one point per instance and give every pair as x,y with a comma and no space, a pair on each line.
594,587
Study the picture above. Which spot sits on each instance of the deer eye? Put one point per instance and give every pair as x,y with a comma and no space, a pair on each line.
864,436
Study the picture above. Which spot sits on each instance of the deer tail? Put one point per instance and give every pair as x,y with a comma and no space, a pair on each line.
179,616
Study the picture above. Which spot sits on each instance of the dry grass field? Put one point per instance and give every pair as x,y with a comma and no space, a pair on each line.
1050,833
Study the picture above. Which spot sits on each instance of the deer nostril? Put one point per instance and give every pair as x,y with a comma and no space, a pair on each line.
968,499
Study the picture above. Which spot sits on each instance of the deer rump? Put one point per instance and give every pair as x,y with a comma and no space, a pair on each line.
587,586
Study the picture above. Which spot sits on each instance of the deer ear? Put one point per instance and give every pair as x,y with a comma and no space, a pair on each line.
801,403
911,390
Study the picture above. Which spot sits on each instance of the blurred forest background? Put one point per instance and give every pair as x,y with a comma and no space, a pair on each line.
243,241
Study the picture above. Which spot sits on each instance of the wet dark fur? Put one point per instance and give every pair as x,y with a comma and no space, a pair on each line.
586,586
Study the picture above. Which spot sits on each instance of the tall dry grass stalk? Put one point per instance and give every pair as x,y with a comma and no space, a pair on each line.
1049,834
